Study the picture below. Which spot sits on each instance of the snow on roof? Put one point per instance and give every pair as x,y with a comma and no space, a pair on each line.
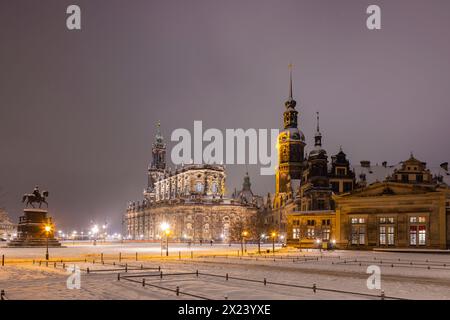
374,173
379,173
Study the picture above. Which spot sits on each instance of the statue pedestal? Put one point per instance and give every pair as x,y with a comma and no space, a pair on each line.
31,230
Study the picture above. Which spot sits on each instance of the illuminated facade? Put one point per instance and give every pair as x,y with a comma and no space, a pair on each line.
191,199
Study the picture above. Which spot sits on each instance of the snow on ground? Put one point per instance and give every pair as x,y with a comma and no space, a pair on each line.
413,276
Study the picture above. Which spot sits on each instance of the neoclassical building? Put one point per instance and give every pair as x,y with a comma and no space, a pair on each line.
191,200
322,203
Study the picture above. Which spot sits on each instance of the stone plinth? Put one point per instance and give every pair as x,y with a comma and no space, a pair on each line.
31,230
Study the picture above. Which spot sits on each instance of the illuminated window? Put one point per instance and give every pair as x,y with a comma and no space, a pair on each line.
358,236
296,233
383,236
412,219
199,187
422,235
310,232
390,236
413,235
422,219
326,234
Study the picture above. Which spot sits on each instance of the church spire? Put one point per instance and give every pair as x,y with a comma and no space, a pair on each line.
318,136
290,103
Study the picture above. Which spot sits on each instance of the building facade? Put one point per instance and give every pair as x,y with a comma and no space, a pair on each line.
335,204
191,200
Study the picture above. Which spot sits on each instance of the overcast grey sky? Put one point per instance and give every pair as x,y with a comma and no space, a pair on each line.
78,108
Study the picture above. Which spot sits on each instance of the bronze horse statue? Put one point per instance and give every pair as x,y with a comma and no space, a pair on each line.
37,197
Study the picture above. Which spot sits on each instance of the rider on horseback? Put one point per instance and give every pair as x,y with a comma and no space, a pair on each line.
37,193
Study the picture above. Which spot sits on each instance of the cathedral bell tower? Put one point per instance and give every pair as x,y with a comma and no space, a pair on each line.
290,145
157,166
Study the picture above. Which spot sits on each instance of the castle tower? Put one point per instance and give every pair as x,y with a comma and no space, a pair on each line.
290,145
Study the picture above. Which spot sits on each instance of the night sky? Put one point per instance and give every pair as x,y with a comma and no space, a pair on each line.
78,108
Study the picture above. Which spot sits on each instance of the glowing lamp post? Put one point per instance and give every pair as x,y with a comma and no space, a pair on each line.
244,234
259,242
165,228
47,230
94,231
274,234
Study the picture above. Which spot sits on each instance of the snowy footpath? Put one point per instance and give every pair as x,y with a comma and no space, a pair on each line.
219,273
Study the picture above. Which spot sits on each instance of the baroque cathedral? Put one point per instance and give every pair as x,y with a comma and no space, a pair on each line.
332,204
191,201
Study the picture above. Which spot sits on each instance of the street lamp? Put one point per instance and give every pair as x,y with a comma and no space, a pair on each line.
274,234
259,242
94,231
165,227
47,229
244,234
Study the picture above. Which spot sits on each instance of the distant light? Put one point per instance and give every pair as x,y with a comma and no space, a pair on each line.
281,237
318,241
333,241
263,235
164,226
47,228
94,229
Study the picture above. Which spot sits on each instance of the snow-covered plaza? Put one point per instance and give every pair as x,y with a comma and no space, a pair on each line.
142,271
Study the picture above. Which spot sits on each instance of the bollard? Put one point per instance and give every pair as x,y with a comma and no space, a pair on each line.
196,273
382,294
3,260
136,257
314,288
46,263
192,254
33,261
101,258
87,269
114,263
142,267
428,268
159,268
179,255
226,277
120,256
54,265
93,261
265,281
64,265
118,277
160,275
226,297
178,291
143,282
39,263
85,260
126,267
